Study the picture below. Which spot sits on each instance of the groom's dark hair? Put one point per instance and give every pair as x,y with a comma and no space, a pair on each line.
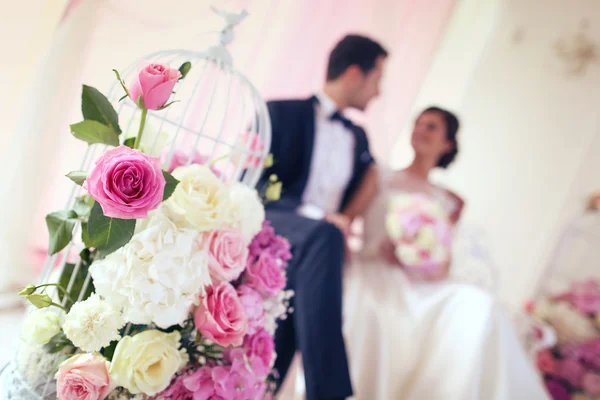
354,50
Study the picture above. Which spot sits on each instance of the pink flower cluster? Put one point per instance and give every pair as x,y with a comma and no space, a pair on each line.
574,368
232,314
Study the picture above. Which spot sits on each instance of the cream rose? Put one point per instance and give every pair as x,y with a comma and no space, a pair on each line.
200,200
246,212
41,326
146,362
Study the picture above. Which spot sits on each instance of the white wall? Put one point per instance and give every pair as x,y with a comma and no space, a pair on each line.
530,137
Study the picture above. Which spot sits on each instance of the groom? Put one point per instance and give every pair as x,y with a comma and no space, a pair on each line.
321,157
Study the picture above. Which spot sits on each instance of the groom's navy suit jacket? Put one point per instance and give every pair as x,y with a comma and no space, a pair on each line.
293,134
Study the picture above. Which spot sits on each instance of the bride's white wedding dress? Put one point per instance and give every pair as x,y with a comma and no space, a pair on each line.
426,341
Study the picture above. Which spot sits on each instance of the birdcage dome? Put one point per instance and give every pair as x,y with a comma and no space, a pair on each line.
218,118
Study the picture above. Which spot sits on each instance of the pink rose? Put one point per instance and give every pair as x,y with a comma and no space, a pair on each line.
266,275
220,316
126,183
154,83
260,347
228,254
547,363
572,371
84,377
591,383
254,309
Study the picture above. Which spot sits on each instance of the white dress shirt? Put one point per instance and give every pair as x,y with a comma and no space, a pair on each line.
331,165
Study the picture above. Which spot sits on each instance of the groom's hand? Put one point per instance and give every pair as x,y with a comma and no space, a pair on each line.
341,221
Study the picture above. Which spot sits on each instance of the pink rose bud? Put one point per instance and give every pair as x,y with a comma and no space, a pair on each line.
126,183
228,254
154,83
84,377
220,316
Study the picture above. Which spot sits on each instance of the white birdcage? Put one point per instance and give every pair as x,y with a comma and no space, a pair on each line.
217,110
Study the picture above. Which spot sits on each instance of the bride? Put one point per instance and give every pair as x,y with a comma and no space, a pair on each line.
425,337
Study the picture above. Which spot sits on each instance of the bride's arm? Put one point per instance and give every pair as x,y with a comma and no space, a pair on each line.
365,194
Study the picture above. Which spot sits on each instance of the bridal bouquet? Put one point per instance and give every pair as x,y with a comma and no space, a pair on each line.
572,368
180,282
420,230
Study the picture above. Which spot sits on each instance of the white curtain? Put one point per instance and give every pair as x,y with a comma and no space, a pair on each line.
31,151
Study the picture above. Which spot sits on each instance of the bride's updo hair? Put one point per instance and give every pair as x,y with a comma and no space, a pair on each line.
452,126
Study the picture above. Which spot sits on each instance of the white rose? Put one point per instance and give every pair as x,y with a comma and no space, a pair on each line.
200,200
246,212
41,326
393,226
570,325
92,324
145,363
157,276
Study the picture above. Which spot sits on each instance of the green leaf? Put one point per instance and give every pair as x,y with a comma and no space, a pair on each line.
130,142
184,69
170,186
83,205
93,132
122,82
78,281
95,106
39,300
109,350
58,343
108,234
60,227
85,237
167,105
77,176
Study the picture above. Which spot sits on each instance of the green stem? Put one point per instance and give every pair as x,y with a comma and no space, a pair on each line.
216,160
62,289
138,139
59,306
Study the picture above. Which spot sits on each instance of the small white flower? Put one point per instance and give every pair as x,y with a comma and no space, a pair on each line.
276,308
93,323
41,326
247,212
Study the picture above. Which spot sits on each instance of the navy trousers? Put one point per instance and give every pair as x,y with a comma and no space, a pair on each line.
315,327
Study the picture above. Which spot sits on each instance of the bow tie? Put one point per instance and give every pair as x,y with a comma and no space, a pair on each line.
337,116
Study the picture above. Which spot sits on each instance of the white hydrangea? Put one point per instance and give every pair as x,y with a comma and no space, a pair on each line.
157,276
247,212
93,323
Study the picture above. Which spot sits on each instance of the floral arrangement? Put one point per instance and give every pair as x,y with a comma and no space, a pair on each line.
178,289
420,230
571,368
